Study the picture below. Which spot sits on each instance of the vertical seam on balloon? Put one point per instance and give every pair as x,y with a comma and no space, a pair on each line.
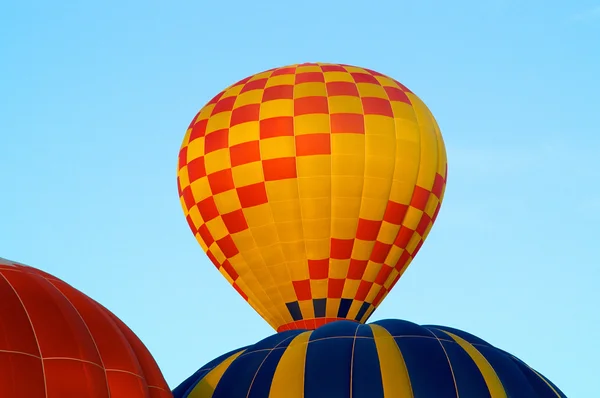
352,359
447,358
32,329
389,335
515,359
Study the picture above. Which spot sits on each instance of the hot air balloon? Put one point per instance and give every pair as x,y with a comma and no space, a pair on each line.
384,359
56,342
311,188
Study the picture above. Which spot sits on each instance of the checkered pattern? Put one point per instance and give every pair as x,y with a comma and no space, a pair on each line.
311,188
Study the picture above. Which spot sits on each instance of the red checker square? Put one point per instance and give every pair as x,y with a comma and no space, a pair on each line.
420,198
224,105
216,98
341,249
243,114
417,248
191,224
374,73
279,169
230,270
402,261
380,252
206,235
313,144
318,269
436,212
333,68
244,153
199,130
347,123
179,192
278,92
395,212
284,71
216,140
438,185
342,88
193,121
208,209
243,81
239,290
227,246
188,197
377,106
335,288
252,195
257,84
367,229
235,221
423,224
302,289
310,105
183,157
383,274
396,279
196,169
363,290
402,86
213,259
379,297
310,77
277,127
403,237
357,269
395,94
221,181
365,78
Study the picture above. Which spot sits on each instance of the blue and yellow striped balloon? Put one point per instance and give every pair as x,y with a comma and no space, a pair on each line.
385,359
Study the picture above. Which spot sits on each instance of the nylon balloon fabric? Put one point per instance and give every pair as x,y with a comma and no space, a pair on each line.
311,188
384,359
55,342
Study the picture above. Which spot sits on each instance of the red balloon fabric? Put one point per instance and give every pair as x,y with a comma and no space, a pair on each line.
56,342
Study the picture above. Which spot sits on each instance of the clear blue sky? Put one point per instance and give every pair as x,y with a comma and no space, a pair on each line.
95,98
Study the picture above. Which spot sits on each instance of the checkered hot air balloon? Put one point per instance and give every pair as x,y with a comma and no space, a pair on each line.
56,342
311,188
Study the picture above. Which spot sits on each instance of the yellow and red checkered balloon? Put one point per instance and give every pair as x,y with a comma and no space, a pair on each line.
311,188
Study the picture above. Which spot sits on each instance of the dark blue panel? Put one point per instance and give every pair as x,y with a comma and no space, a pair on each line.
328,360
363,309
428,367
344,307
469,380
294,309
542,389
397,327
319,307
281,339
262,382
238,377
366,369
463,335
513,380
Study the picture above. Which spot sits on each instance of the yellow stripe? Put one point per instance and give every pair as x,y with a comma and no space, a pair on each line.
394,375
489,374
206,387
288,379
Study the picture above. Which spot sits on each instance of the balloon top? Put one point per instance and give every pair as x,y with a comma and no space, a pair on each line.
311,188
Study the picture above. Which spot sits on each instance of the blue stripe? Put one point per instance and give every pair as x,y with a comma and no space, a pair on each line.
511,377
294,309
366,369
328,361
319,307
363,309
344,307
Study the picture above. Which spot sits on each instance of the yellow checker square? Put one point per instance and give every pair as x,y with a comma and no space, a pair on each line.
226,275
298,270
394,255
314,187
264,235
432,204
354,308
315,89
293,250
407,164
195,148
378,168
282,190
247,174
258,216
344,228
276,108
412,218
348,165
381,132
238,263
195,216
316,229
311,124
186,138
373,292
346,187
319,208
272,255
220,121
217,161
232,91
183,177
345,209
371,271
217,253
307,309
262,75
403,111
201,242
348,144
201,189
386,81
217,228
314,166
244,241
338,77
407,131
373,208
362,249
254,258
338,269
316,248
285,211
281,80
308,68
332,307
350,288
413,243
318,288
345,104
279,274
277,147
390,279
427,230
205,112
289,232
184,206
245,132
287,291
355,69
387,233
249,98
371,90
227,201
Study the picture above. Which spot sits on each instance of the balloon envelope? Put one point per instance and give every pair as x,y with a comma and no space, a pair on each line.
385,359
311,188
56,342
